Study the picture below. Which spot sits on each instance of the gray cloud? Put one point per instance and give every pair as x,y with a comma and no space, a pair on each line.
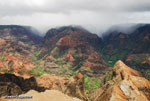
95,15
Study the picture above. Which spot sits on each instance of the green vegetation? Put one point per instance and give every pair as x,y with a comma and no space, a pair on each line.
78,62
136,62
91,83
146,64
117,54
20,72
43,54
68,76
2,58
62,53
147,74
114,49
36,71
37,53
75,72
108,76
77,66
142,67
7,71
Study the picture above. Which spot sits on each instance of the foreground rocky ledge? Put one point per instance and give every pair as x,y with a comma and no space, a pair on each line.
11,84
126,85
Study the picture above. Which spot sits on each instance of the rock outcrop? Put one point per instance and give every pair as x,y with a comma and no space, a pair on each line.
127,85
73,86
11,84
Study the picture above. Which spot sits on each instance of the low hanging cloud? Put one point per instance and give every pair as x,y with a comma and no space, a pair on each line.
94,15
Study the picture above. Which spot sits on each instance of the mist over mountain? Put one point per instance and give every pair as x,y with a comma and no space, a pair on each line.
94,15
127,28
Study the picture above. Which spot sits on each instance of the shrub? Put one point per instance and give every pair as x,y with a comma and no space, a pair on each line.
91,83
4,71
7,71
37,71
68,76
37,53
2,58
108,76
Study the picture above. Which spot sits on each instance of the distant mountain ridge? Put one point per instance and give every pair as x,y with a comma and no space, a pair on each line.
24,33
71,48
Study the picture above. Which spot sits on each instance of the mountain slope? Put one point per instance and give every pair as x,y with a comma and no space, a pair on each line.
72,48
18,44
133,48
19,33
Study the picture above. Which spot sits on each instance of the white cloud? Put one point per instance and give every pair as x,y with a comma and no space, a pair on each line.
95,15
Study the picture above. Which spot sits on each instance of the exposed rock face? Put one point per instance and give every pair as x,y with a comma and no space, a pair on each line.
11,84
127,85
74,48
9,88
17,47
73,86
69,32
15,56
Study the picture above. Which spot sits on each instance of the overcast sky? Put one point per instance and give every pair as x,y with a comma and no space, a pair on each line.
94,15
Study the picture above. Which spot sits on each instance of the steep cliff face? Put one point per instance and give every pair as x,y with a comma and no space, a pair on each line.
77,34
127,85
133,48
136,42
74,48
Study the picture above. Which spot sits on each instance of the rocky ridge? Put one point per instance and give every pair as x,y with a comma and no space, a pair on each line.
127,85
